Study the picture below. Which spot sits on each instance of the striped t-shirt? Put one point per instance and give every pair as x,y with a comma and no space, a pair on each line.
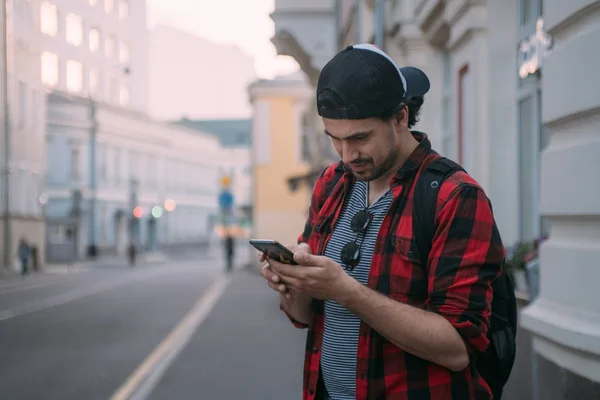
340,339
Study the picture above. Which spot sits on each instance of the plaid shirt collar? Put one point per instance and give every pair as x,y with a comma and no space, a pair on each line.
413,162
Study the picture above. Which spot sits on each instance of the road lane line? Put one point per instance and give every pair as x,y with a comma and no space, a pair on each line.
33,286
76,294
142,381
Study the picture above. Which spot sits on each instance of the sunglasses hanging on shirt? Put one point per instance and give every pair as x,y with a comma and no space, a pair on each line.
350,254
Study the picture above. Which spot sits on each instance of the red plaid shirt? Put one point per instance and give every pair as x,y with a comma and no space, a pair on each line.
466,256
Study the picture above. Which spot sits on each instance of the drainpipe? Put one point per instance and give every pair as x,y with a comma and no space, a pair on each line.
338,24
379,12
92,249
6,153
358,23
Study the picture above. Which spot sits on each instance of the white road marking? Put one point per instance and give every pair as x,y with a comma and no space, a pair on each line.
142,381
77,294
33,286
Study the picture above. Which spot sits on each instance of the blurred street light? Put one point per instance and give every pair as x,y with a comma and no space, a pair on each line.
170,205
43,198
138,212
157,211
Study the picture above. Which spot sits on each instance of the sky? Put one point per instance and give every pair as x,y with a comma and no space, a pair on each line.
245,23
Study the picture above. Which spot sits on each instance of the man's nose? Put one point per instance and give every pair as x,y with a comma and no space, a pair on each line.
348,153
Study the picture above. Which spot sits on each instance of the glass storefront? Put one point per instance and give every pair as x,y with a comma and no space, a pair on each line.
532,134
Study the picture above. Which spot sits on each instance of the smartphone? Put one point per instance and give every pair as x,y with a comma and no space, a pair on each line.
275,250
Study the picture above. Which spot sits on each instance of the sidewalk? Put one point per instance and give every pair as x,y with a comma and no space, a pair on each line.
154,257
520,383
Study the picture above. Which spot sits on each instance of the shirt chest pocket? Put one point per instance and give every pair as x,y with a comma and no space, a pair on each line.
408,279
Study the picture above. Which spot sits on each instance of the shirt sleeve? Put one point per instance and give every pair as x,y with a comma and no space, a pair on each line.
466,257
297,324
318,193
313,211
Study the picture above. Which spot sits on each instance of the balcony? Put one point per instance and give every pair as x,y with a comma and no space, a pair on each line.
306,31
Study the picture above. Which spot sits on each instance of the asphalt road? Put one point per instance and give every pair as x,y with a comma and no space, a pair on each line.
245,349
88,333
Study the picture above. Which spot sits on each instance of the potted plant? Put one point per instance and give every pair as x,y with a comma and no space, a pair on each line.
515,264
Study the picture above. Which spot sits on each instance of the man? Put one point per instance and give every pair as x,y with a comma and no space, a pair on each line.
24,252
380,324
229,246
132,252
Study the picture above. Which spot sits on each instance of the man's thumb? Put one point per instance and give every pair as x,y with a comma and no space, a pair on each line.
304,258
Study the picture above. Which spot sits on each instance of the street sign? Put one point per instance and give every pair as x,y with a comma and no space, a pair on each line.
225,181
225,200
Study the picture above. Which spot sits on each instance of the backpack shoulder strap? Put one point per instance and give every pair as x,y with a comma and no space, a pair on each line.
424,203
337,175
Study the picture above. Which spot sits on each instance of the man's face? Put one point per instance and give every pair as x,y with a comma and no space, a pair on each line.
367,146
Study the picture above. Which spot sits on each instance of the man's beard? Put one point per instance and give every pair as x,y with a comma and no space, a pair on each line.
388,162
378,170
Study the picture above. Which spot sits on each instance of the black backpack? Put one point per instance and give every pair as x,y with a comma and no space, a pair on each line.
495,364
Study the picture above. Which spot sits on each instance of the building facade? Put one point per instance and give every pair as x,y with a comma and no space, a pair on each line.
279,208
235,166
562,103
115,175
514,100
22,129
96,48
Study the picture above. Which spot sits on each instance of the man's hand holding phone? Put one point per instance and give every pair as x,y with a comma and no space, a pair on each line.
298,305
274,281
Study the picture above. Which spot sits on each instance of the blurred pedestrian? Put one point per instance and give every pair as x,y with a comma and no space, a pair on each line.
24,254
132,252
229,244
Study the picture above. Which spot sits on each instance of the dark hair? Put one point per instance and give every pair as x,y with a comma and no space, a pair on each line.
414,109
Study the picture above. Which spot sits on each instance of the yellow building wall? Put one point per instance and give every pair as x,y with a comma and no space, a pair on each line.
279,213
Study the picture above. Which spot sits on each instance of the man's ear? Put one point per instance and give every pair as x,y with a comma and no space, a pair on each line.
401,119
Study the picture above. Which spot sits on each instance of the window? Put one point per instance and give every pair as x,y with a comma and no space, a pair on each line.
93,2
49,19
36,196
466,113
75,163
117,165
109,48
448,138
109,6
124,53
527,164
305,153
22,103
94,82
103,153
151,170
74,29
74,76
103,224
94,38
111,93
124,95
20,194
133,164
525,11
49,68
123,9
36,109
